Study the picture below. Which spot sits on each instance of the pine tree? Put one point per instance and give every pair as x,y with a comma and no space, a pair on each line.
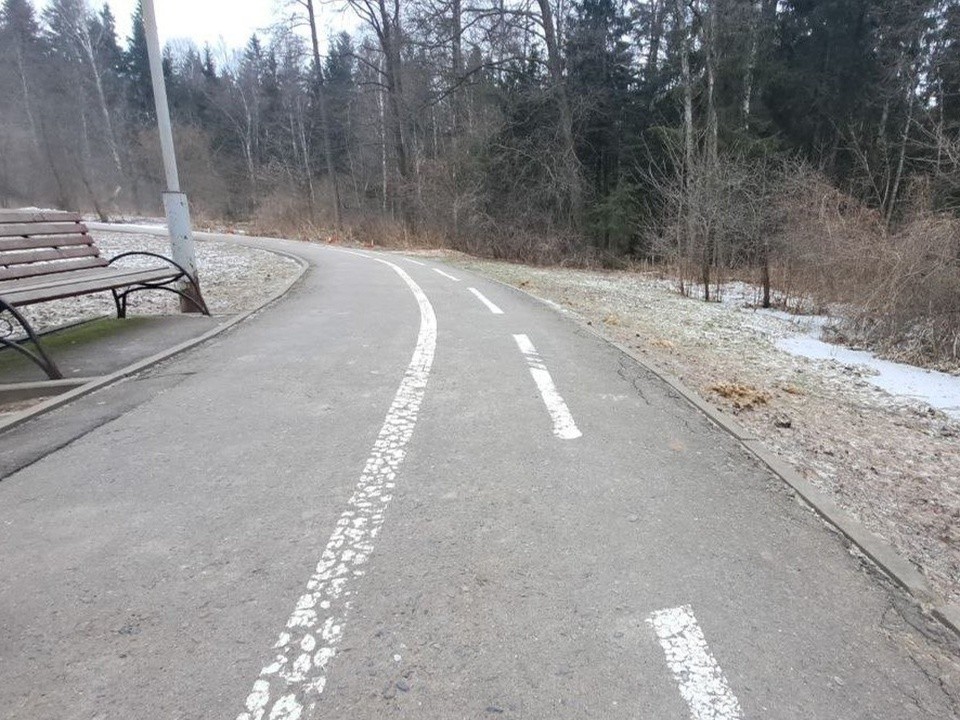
339,70
137,71
600,76
22,51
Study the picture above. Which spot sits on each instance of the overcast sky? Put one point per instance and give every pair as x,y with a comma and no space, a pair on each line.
218,21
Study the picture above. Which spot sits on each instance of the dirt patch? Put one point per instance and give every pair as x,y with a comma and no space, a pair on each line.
741,397
892,463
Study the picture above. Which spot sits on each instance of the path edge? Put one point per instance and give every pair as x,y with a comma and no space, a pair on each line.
882,554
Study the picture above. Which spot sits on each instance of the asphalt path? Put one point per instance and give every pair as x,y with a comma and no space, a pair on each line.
405,491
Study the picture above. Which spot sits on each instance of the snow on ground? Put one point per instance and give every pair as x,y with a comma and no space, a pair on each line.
233,279
873,435
936,389
800,334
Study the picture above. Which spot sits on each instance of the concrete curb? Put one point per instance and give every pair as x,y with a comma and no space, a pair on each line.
17,392
101,382
901,571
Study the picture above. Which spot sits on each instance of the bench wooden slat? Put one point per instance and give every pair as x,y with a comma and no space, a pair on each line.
47,256
82,283
108,274
31,229
43,241
21,271
31,216
44,255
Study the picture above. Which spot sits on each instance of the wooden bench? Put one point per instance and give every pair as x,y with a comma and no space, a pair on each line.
47,255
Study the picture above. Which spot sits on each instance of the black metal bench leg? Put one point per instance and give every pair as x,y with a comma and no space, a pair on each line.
40,357
120,300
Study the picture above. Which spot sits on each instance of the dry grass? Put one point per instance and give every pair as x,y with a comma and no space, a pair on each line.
899,287
741,397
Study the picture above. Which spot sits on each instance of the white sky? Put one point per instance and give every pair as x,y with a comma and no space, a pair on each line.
229,22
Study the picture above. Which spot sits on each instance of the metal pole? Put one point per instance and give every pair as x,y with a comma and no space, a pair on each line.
174,202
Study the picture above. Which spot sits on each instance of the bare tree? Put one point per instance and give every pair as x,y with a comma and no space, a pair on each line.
324,113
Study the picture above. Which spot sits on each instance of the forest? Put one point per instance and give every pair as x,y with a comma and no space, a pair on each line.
809,146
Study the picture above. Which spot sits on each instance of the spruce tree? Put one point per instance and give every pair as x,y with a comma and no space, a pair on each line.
137,71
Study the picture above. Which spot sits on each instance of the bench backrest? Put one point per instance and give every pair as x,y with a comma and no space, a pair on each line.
38,242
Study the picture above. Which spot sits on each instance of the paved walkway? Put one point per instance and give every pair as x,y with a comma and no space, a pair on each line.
404,491
103,346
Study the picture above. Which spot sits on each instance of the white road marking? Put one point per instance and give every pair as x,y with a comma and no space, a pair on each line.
701,681
295,675
490,306
446,275
415,262
563,425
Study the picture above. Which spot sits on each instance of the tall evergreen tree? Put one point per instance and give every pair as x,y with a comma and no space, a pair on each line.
137,70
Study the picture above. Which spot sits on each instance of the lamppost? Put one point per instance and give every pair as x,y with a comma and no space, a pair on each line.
174,202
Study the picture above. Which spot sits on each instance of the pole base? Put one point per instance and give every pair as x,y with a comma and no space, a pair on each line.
181,243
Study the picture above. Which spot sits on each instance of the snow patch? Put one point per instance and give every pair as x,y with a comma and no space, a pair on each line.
937,389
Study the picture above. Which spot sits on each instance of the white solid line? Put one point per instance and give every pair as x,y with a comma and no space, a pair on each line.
446,275
563,425
296,673
415,262
490,306
701,681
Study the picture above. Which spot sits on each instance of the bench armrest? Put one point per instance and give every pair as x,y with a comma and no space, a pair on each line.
121,297
134,253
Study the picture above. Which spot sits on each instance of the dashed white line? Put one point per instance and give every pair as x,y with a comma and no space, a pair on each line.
415,262
446,275
563,425
702,683
490,306
296,674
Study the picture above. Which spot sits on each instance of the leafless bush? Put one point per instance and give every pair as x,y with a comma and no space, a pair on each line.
286,214
721,217
899,289
912,309
823,247
810,246
390,232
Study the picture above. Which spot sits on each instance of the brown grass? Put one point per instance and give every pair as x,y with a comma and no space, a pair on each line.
899,287
742,397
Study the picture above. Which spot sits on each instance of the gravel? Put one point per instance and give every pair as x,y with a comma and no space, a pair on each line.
892,462
234,279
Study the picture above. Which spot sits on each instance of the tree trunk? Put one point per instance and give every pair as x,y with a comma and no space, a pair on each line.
457,68
705,274
750,70
710,42
305,154
394,103
325,118
27,99
389,35
688,251
687,91
86,43
904,139
383,143
247,132
656,32
63,200
765,277
555,65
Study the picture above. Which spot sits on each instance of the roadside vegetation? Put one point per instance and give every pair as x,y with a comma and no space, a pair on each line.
811,148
